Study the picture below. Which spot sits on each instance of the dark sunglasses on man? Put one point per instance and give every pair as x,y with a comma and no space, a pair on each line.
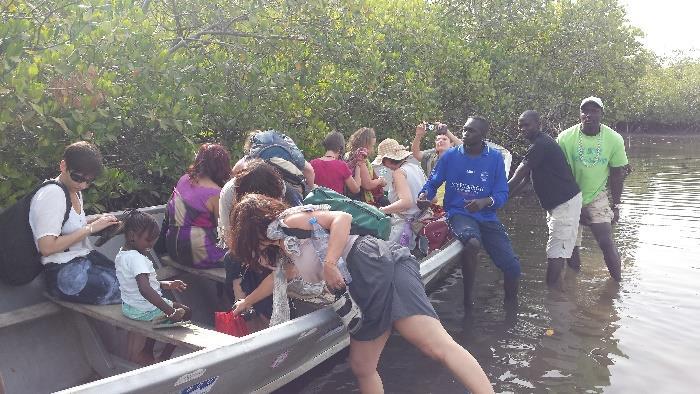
80,178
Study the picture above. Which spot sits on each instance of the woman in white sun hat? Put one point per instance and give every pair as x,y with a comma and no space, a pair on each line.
408,179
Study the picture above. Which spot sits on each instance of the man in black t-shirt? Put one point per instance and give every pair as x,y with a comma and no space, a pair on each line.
556,189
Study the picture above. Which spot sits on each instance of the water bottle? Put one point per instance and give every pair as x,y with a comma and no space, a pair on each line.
406,233
320,241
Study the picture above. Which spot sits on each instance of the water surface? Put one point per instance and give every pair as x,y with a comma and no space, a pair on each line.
641,336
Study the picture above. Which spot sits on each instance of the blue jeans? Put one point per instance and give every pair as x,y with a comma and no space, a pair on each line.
493,237
86,280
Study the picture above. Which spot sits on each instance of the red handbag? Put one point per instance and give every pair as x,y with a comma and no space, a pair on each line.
434,235
227,323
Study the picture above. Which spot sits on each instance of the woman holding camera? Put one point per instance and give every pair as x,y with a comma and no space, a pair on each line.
444,140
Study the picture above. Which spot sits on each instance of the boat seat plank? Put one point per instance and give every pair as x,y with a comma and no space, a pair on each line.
215,274
47,308
28,313
191,336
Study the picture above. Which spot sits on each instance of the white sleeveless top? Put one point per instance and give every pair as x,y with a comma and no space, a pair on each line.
308,265
416,179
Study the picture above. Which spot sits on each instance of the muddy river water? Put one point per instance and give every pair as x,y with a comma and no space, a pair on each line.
641,336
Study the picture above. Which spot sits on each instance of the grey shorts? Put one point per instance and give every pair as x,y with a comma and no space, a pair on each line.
386,285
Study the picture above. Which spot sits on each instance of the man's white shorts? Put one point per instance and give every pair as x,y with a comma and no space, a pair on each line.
563,228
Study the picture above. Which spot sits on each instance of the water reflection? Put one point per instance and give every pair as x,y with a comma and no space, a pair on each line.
597,336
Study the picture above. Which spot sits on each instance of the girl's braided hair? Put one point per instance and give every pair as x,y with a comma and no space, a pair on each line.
136,222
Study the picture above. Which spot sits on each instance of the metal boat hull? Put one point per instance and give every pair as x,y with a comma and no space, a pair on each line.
49,353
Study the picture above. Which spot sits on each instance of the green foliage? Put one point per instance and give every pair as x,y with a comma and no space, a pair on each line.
547,56
148,81
668,97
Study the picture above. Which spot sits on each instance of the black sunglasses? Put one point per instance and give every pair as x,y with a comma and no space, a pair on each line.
79,178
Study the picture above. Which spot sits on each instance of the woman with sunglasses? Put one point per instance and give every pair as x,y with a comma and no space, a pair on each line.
73,271
385,283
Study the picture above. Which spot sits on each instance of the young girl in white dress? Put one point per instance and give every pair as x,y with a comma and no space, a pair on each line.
142,298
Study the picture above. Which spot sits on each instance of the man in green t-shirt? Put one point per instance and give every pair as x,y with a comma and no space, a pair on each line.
596,154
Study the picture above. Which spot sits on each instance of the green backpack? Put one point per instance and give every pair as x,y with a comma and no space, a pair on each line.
366,219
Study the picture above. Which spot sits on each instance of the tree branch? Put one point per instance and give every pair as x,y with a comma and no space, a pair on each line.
35,48
251,35
176,16
182,42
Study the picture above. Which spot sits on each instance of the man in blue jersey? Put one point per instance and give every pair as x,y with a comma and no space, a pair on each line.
475,186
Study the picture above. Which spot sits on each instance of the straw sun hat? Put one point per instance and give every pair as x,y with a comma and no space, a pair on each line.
390,149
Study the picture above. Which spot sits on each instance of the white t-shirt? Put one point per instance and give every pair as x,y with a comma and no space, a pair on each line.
227,197
415,179
130,263
46,213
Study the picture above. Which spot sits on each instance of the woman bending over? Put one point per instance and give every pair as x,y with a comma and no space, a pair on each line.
386,283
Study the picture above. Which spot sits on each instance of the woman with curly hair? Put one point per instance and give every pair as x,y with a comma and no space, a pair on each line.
260,177
384,283
360,147
193,209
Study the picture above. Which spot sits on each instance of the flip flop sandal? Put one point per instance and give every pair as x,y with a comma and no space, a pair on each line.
348,311
170,324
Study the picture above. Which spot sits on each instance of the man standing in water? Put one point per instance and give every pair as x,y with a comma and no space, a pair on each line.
475,186
595,153
556,189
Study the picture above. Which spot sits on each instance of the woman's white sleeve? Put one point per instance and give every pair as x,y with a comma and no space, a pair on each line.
46,211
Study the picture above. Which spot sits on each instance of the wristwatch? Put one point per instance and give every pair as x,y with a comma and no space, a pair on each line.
493,202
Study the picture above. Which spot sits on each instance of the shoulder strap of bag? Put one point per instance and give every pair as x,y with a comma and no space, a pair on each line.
297,232
69,204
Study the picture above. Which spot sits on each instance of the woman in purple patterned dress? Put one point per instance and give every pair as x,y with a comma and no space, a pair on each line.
193,209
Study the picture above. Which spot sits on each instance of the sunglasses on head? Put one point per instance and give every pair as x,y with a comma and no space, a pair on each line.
80,178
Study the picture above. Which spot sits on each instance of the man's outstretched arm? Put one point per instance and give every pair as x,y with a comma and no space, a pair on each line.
519,178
